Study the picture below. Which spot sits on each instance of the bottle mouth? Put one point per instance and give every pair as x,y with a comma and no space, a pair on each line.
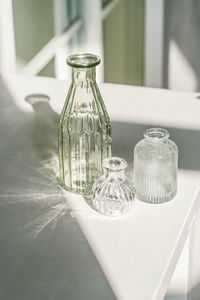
114,164
85,60
156,133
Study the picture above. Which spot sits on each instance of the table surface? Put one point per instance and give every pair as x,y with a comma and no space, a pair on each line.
53,245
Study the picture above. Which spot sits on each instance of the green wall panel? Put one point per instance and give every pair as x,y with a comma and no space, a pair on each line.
123,32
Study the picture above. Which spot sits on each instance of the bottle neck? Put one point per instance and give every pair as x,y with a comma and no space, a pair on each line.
114,168
114,175
80,75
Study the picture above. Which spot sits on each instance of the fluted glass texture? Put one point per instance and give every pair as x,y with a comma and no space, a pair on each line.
113,193
84,128
155,167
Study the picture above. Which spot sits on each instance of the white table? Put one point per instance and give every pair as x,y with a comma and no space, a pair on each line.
44,254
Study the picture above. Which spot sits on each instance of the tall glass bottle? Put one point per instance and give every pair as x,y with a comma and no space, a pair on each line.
84,128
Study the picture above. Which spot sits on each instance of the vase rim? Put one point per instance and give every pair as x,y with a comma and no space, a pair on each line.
84,60
156,133
114,164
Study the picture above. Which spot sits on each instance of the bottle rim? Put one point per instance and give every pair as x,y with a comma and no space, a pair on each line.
156,133
114,164
84,60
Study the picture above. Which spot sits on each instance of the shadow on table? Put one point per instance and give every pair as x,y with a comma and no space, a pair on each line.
43,130
175,297
43,252
194,294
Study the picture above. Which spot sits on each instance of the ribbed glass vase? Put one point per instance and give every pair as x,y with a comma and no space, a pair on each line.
155,167
113,193
84,128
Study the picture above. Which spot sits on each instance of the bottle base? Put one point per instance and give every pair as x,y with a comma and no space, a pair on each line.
156,200
82,191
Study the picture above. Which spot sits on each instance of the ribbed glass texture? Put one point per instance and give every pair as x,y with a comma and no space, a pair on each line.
84,128
113,193
155,167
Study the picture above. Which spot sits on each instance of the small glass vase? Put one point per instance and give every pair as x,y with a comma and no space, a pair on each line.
113,193
84,128
155,167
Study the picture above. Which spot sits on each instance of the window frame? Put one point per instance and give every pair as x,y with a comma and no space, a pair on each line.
90,22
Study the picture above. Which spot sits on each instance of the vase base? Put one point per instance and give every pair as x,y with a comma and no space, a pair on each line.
156,200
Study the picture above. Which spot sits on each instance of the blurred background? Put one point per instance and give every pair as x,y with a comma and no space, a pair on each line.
152,43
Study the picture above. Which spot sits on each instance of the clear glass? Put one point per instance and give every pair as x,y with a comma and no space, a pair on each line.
113,193
155,167
84,128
